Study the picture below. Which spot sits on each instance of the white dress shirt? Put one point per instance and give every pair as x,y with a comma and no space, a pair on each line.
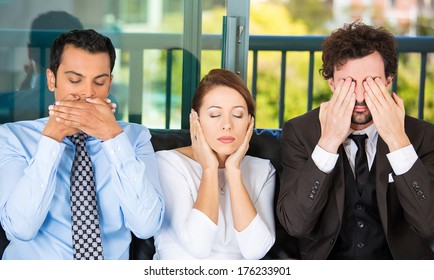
401,160
187,233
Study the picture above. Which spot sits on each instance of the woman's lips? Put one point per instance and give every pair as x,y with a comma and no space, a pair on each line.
226,139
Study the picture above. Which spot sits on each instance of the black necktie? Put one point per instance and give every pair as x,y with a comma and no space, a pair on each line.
361,168
86,234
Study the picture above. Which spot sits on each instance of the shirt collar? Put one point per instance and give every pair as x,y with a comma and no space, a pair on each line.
371,131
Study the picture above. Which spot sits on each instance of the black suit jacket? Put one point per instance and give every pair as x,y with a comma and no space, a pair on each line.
311,203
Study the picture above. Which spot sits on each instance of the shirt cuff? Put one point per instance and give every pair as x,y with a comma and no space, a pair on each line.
203,222
324,160
49,150
119,149
403,159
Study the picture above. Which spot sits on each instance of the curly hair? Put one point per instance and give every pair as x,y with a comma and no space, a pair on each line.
357,40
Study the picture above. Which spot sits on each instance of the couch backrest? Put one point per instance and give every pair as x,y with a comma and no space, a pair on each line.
265,143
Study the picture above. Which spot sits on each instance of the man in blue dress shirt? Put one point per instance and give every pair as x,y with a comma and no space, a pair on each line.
36,158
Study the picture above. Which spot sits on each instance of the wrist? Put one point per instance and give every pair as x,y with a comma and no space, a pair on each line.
395,144
53,134
330,146
112,133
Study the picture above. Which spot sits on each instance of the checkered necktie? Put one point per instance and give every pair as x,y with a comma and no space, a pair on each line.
86,234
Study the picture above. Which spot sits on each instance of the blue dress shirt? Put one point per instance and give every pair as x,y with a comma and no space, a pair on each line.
35,209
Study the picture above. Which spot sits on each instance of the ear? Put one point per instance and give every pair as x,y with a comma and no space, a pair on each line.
51,80
389,81
331,84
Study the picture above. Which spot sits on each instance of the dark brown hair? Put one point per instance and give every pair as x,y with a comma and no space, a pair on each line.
357,40
222,77
88,40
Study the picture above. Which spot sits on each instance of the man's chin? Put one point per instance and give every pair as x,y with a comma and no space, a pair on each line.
361,119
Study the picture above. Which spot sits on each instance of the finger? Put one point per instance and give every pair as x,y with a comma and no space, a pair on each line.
250,129
65,113
351,101
323,109
383,88
378,91
338,89
372,103
98,101
68,122
55,110
350,98
342,90
192,128
398,100
199,132
79,104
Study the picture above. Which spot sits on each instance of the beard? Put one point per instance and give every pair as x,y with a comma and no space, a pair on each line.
361,118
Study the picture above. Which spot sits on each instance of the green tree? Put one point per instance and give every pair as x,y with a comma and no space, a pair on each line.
314,13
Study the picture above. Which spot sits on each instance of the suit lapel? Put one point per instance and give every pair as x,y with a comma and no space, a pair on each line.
383,169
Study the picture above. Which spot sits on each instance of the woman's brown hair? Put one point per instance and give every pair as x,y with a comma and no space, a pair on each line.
222,77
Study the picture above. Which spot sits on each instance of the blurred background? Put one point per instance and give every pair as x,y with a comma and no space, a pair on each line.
164,47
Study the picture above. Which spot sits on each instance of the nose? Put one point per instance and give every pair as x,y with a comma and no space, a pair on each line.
88,91
226,123
360,93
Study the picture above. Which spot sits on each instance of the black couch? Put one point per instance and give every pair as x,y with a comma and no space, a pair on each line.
265,143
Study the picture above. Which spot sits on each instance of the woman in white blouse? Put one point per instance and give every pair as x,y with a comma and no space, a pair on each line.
219,202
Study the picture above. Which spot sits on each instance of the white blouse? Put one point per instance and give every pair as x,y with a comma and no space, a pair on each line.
187,233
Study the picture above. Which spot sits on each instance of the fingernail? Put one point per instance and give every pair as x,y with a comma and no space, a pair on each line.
108,100
57,103
50,112
51,107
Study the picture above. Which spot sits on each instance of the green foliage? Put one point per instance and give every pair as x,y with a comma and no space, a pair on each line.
313,13
275,18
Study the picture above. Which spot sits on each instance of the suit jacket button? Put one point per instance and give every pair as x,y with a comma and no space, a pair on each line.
360,245
359,206
414,183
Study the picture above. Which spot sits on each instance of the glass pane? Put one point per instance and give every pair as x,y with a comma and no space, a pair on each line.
148,36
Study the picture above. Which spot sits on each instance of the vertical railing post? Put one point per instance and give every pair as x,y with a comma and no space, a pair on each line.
421,99
135,94
282,89
168,86
192,47
310,80
237,37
